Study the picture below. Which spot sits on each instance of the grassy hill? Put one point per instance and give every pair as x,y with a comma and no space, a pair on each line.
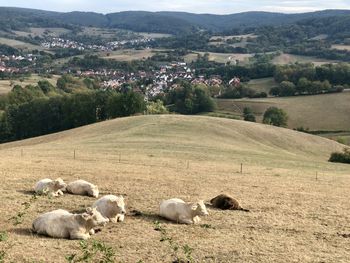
329,112
150,158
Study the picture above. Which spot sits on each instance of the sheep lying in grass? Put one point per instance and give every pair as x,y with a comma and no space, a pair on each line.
63,224
81,187
185,213
111,207
51,187
226,202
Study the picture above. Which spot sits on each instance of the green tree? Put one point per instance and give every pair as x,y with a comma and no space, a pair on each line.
275,116
156,108
287,88
248,114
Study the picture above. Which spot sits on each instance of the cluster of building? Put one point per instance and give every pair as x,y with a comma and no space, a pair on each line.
5,61
57,42
153,82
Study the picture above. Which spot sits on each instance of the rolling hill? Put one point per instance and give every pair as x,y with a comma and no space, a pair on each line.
327,112
159,22
151,158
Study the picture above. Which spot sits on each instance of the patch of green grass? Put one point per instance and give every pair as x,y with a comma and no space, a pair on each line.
92,251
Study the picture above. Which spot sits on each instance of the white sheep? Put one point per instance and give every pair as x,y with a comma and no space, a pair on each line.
63,224
81,187
185,213
51,187
111,207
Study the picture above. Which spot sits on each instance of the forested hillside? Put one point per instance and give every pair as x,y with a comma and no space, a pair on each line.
163,22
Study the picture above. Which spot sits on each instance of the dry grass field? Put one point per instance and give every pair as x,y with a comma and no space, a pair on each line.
220,57
293,218
5,85
341,47
329,112
19,44
284,59
129,54
262,85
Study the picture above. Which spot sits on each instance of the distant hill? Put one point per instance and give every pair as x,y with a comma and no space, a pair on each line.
160,22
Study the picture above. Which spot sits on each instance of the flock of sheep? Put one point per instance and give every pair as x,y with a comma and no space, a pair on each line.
110,208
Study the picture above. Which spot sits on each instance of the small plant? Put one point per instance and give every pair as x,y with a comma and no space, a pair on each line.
2,256
93,251
3,236
174,246
207,226
19,217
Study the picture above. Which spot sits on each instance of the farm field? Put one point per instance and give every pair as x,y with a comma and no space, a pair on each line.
341,47
343,137
329,112
262,85
153,35
19,44
128,54
293,218
5,85
220,57
40,31
284,59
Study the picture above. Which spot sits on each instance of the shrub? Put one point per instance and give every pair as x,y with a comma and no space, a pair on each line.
275,116
156,108
338,157
248,115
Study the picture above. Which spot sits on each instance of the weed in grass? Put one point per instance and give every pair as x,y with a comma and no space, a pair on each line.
3,236
174,246
93,251
207,226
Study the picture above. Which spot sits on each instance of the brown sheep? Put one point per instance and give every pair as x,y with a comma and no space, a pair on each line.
226,202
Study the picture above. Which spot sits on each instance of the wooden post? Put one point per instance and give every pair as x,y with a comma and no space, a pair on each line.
316,176
120,157
74,154
188,164
241,168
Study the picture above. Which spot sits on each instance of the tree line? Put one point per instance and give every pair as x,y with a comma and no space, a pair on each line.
306,79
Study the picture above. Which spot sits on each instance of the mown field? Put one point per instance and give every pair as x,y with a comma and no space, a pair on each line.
291,59
19,44
341,47
293,218
220,57
262,85
330,112
128,54
6,85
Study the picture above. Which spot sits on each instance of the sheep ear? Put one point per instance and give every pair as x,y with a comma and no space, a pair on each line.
85,216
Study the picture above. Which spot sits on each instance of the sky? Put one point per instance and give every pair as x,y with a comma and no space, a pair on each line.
194,6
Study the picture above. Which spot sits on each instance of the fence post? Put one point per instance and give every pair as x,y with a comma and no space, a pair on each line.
241,168
188,164
74,154
316,176
120,157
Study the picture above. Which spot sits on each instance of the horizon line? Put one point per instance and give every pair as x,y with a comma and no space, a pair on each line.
177,11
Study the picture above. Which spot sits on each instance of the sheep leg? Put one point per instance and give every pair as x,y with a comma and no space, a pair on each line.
196,219
184,220
59,192
79,235
92,232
